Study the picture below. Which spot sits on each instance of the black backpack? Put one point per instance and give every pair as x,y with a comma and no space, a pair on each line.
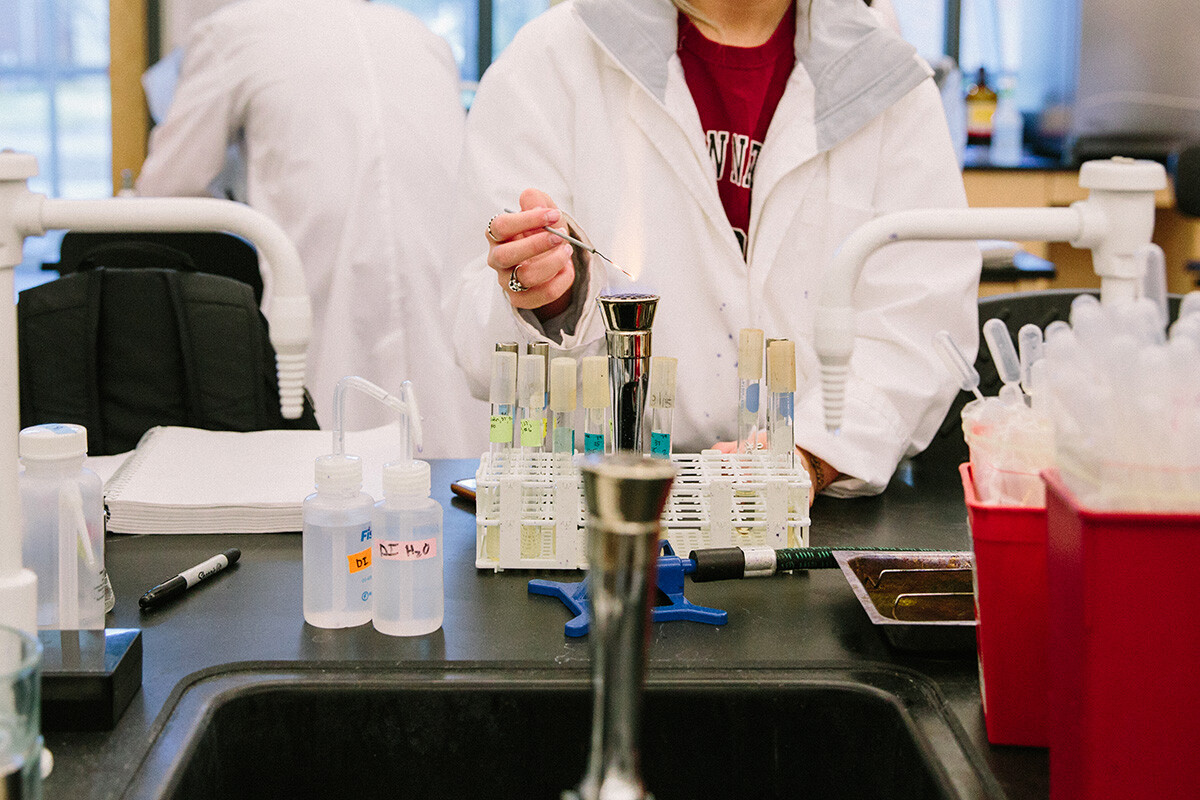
122,350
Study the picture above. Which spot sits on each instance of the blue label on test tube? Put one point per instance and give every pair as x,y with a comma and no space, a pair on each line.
752,397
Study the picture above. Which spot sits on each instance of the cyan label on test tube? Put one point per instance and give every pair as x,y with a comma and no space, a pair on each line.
593,443
660,444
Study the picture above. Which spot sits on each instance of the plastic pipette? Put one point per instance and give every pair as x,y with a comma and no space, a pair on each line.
1000,345
562,404
1029,344
662,404
956,363
596,402
750,372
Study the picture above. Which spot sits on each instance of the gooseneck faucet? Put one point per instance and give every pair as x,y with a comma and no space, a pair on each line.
627,321
1116,222
625,495
24,213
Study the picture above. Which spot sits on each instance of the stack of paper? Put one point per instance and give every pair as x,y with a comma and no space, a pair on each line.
187,480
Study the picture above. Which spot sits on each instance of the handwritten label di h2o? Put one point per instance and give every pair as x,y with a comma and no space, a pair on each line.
416,550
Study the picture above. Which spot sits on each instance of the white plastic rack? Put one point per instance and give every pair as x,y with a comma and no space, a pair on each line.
529,507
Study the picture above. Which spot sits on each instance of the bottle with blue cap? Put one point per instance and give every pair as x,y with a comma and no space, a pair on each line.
62,520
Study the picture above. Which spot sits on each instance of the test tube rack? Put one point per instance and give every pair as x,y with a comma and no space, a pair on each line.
529,507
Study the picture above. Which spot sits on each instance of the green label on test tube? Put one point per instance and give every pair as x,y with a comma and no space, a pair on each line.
501,431
533,432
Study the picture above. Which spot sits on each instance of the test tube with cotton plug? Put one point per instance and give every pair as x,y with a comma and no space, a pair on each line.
597,401
531,403
662,403
503,398
750,373
781,388
336,538
562,404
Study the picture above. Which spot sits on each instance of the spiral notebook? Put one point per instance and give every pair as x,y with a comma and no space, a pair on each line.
188,480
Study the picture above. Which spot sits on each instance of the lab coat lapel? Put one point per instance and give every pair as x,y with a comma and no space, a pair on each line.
673,128
790,145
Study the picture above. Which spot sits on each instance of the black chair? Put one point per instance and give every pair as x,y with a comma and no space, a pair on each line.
204,251
948,448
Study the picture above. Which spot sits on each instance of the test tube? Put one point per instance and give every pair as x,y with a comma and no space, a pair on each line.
781,386
662,404
531,403
597,400
503,397
562,404
750,372
543,349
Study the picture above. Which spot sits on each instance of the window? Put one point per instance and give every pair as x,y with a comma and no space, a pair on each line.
54,103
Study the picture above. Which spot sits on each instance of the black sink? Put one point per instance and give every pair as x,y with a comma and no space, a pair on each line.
487,732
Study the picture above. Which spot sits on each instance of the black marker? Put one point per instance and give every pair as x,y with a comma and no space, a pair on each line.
189,578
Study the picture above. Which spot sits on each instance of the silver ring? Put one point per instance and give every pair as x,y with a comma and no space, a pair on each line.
515,285
491,236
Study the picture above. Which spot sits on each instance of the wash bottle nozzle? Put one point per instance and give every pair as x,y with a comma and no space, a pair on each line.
406,404
956,363
596,400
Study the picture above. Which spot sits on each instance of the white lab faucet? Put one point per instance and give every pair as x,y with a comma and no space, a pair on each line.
24,213
1116,221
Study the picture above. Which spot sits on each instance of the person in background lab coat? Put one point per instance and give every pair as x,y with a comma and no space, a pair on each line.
612,110
352,123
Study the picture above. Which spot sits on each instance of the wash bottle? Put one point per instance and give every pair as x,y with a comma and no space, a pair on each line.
407,556
337,538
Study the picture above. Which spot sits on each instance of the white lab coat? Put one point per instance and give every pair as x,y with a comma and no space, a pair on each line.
353,126
589,104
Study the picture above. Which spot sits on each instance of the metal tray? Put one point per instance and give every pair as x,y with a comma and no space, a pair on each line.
919,600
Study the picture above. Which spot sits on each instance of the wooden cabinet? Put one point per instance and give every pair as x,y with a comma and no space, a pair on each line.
1177,235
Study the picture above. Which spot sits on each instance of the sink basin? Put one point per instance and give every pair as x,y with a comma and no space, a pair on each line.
486,731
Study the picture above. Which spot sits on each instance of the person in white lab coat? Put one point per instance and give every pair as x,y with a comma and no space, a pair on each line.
352,123
595,105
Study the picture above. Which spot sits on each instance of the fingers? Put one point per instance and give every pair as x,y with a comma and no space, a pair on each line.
505,226
546,277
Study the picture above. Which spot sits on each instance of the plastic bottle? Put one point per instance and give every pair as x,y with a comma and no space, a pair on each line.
62,517
1008,128
337,546
408,594
981,106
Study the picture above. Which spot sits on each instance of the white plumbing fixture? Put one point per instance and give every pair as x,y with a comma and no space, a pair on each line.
25,213
1116,222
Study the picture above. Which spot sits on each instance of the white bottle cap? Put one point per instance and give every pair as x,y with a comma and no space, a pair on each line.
562,384
750,354
52,441
595,382
531,381
781,366
662,381
338,473
406,478
504,378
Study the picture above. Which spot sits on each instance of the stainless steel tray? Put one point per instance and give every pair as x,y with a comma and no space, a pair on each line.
918,600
